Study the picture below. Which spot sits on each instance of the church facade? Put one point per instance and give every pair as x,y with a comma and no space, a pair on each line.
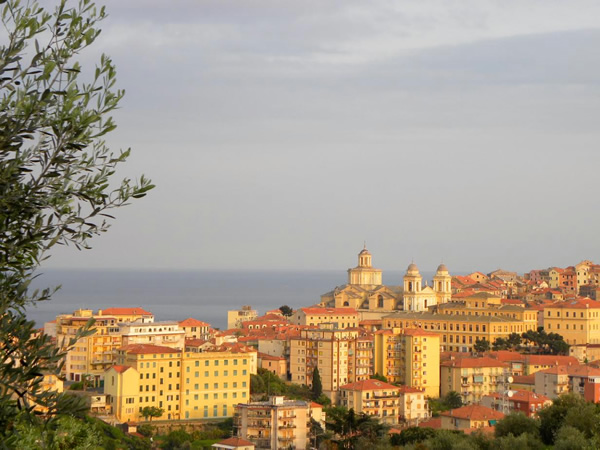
365,290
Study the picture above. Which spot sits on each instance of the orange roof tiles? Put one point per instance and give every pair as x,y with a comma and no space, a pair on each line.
368,385
121,369
524,379
474,412
142,349
583,303
522,395
236,442
191,322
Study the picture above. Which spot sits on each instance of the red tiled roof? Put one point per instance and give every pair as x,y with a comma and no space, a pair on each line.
409,390
434,422
418,332
584,371
191,322
556,370
315,405
506,355
144,349
270,357
551,360
464,363
125,311
522,396
236,442
368,385
524,379
474,412
121,369
577,303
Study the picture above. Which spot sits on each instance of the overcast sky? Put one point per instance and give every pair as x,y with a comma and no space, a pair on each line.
281,135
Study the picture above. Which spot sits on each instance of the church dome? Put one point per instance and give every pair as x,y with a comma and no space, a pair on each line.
364,251
442,268
412,268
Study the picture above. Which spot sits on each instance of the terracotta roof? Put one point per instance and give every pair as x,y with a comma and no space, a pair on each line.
125,311
434,422
557,370
144,349
577,303
464,363
270,357
524,379
236,442
315,405
418,332
328,311
191,322
584,371
506,355
522,396
120,369
368,385
474,412
551,360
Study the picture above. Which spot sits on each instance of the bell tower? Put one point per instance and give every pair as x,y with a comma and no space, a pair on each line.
442,284
364,274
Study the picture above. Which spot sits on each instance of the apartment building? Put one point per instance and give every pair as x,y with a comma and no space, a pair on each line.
125,315
470,417
413,406
473,378
194,383
338,353
277,423
314,316
523,401
372,397
165,333
577,321
236,317
196,329
458,332
552,382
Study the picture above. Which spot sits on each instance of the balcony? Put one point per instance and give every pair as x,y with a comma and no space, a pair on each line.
287,426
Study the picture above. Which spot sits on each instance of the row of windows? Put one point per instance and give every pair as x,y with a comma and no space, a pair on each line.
216,373
215,385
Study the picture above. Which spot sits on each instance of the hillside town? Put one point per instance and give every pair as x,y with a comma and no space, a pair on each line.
458,352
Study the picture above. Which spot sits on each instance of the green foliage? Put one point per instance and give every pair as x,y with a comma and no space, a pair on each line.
412,435
55,178
317,386
552,417
148,412
379,377
323,400
286,310
512,442
146,430
450,440
570,438
546,343
451,400
517,424
481,345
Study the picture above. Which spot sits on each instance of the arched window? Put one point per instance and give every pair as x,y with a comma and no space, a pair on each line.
346,303
380,301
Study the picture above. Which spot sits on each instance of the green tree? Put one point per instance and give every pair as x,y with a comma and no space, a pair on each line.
553,416
56,175
512,442
412,435
500,344
481,345
286,310
570,438
317,386
149,412
514,340
379,377
452,400
517,424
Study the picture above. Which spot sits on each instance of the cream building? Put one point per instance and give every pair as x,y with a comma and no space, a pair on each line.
340,355
236,317
165,333
577,321
314,316
372,397
365,292
277,423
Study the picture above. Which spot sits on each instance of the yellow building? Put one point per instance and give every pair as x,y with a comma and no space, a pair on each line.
410,356
473,378
413,406
277,423
198,383
196,329
485,304
372,397
470,417
314,316
338,353
236,317
458,332
577,321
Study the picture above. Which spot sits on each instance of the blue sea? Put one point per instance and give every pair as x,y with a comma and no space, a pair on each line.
177,295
